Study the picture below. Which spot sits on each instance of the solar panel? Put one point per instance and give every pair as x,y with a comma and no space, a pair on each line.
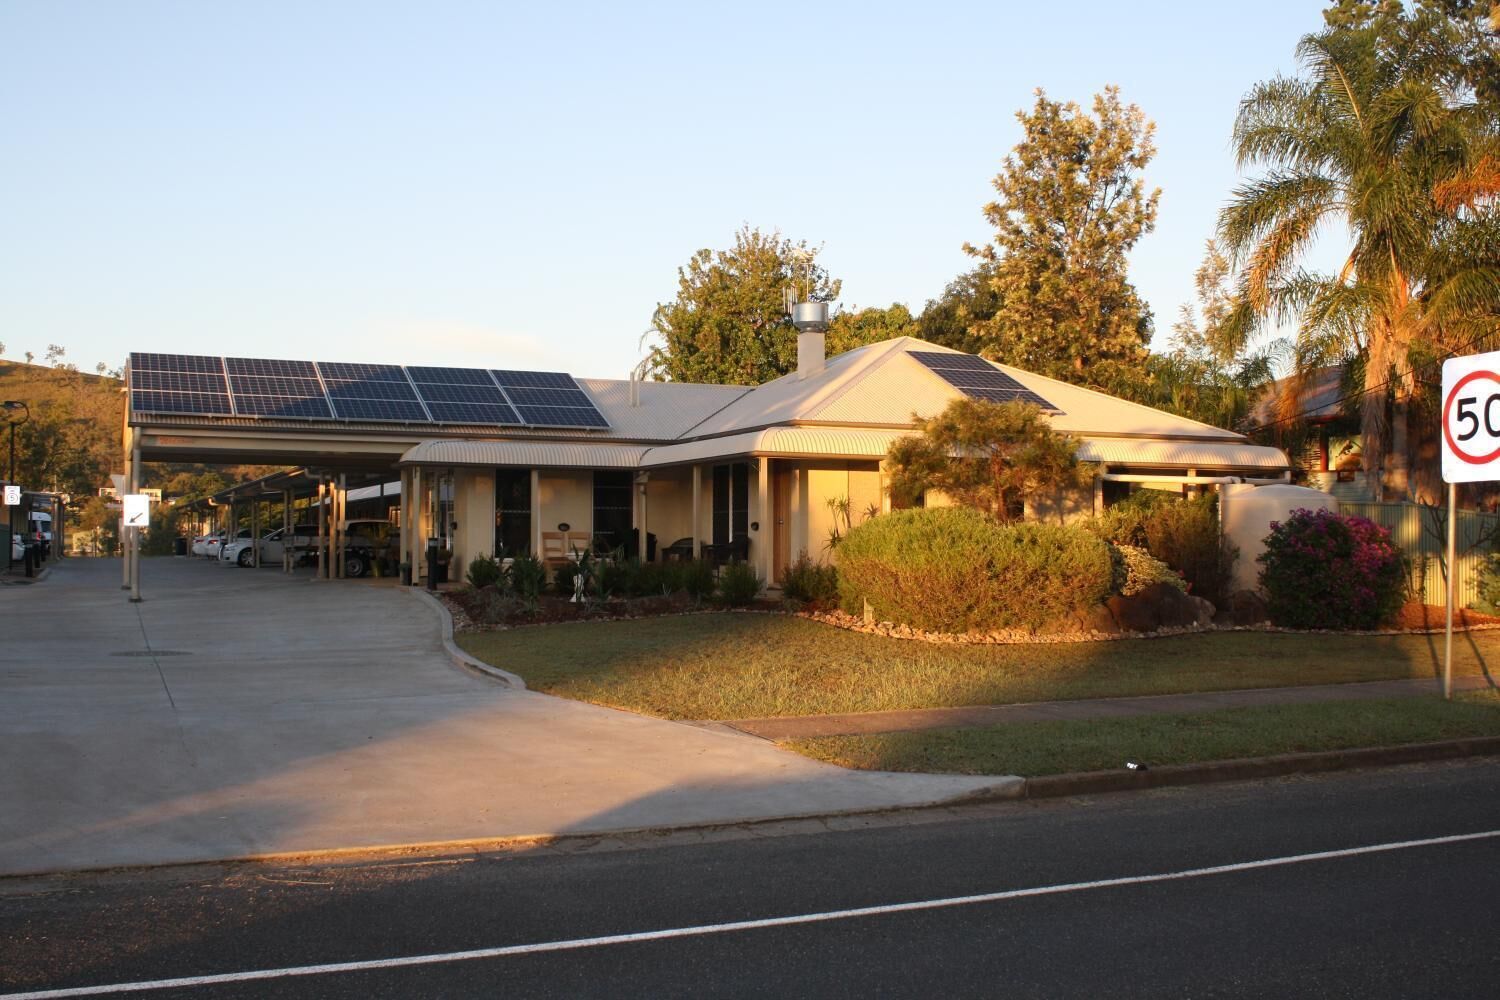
371,392
462,396
349,389
473,413
329,390
361,372
303,407
450,376
978,379
402,410
178,383
274,387
176,363
562,416
549,399
204,403
270,367
534,380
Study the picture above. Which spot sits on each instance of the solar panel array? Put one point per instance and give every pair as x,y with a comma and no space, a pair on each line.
327,390
978,379
549,399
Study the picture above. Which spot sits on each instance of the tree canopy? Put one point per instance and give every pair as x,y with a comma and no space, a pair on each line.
1389,130
991,456
1071,206
728,323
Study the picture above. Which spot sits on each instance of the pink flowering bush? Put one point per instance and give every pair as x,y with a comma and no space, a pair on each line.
1323,569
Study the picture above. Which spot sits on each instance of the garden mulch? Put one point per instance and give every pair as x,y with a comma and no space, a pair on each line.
917,720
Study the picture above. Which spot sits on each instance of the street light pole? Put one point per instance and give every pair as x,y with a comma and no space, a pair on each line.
11,405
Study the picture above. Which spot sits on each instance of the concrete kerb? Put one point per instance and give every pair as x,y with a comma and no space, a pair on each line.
1003,788
458,656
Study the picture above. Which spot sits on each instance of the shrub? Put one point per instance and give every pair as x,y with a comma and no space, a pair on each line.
695,577
952,569
1184,534
1322,569
739,584
527,577
1137,569
562,579
805,580
1487,581
491,606
484,571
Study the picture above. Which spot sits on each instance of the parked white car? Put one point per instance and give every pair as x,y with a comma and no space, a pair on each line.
215,543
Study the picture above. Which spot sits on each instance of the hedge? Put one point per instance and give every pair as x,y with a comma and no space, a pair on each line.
952,569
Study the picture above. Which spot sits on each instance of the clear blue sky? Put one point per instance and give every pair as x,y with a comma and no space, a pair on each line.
472,183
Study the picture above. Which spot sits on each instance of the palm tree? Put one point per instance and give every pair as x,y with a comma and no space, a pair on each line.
1382,134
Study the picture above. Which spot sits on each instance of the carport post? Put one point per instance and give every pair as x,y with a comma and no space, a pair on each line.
322,531
286,531
255,533
413,519
340,525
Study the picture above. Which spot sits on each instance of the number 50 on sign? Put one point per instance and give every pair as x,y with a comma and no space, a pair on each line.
1471,418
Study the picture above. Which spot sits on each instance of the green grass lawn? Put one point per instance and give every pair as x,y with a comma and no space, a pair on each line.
1037,748
734,666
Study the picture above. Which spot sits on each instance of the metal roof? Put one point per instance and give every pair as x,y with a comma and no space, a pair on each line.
526,454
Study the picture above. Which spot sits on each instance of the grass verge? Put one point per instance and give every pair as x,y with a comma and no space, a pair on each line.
737,666
1037,748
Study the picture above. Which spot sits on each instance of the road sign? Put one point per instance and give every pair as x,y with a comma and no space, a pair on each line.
1471,419
12,496
153,492
137,510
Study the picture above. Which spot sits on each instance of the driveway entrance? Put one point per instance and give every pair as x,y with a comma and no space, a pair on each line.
236,713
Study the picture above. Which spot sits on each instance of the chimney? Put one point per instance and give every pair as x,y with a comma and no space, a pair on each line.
811,321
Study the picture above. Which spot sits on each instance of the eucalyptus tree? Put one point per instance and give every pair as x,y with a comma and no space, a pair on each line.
1382,131
1072,204
728,323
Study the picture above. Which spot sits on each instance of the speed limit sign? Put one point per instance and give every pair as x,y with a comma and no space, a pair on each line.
1471,418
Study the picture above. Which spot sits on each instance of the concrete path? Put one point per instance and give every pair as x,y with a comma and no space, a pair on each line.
801,727
239,712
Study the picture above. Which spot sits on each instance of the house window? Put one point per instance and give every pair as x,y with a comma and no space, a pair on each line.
731,502
513,512
612,509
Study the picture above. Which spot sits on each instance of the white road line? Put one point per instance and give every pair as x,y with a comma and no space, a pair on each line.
738,925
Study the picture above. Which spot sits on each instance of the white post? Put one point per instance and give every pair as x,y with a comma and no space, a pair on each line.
536,513
765,535
135,533
697,502
1452,588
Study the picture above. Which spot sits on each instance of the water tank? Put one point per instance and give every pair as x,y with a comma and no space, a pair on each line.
1246,513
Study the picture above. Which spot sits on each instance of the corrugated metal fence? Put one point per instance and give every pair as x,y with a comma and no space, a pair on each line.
1422,533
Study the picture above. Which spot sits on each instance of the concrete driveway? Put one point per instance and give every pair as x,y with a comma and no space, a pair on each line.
240,712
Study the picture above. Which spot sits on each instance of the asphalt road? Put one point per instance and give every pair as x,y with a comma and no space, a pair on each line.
1400,921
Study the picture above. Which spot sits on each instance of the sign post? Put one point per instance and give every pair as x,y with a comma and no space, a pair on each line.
137,510
1471,454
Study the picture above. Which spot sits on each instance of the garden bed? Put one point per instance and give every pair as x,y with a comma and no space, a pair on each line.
469,615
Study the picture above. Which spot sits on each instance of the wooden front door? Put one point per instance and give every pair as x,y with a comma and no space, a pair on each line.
782,484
